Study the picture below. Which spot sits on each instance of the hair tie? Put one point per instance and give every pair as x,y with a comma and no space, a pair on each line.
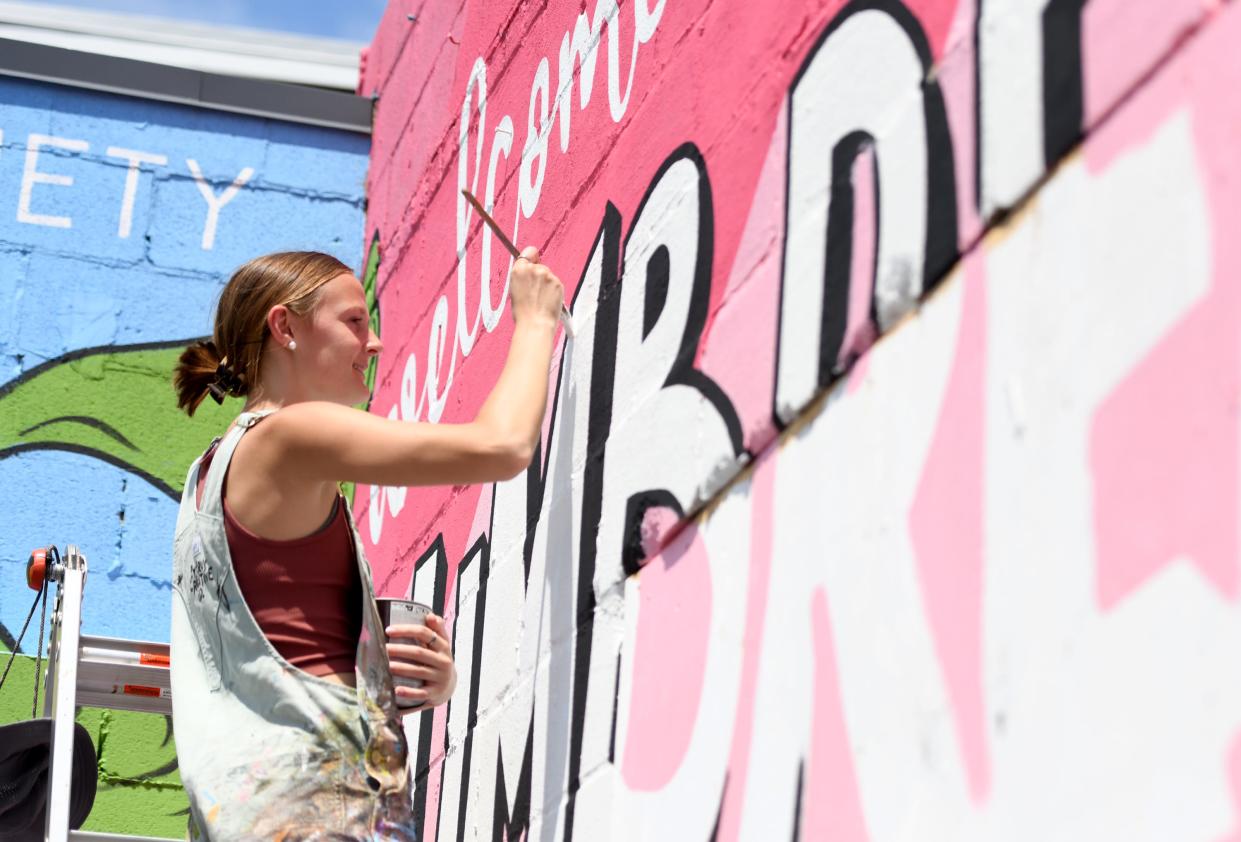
226,382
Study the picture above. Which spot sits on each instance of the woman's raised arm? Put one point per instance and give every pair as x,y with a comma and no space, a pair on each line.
326,441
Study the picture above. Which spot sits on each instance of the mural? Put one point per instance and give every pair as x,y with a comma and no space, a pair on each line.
120,221
890,484
889,487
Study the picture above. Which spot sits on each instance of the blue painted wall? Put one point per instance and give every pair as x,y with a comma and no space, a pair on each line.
75,286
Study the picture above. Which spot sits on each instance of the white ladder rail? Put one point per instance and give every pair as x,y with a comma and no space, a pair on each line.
93,671
67,626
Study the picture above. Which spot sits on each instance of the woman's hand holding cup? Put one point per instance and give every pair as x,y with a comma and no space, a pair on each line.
422,652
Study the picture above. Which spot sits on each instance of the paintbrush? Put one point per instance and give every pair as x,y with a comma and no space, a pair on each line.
566,318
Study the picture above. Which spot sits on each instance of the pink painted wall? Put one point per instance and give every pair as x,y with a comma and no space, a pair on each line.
890,486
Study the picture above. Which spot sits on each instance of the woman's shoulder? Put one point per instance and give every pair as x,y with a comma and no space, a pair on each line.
270,445
312,425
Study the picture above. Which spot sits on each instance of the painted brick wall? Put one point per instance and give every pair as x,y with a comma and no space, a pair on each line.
120,221
890,486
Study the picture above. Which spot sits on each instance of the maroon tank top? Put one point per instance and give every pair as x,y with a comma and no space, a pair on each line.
305,593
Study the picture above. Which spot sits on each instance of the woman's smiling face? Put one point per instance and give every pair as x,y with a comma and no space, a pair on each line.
335,343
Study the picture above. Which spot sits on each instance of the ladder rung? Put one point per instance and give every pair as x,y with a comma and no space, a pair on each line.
127,648
92,673
89,836
123,675
124,701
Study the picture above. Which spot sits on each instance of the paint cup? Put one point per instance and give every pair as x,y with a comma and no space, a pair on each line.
403,612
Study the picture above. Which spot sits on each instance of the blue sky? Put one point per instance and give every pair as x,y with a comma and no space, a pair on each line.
353,20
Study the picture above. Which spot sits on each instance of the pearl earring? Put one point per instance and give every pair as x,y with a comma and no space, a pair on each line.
292,344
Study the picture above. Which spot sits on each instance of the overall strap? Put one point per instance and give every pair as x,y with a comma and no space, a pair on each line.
211,503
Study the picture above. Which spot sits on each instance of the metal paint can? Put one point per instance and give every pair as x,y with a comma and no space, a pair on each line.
403,612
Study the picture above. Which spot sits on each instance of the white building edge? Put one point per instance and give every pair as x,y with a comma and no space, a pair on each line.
227,50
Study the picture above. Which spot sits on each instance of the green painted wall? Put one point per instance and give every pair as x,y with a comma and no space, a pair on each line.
139,786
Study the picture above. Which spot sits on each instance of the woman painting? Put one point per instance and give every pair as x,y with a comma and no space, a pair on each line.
284,711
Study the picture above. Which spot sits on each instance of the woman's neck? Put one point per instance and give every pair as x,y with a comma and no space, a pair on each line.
261,404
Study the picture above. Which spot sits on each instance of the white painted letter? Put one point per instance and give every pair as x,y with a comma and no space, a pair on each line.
536,140
584,47
1010,86
31,176
435,399
214,202
645,20
466,333
136,160
844,91
616,102
501,144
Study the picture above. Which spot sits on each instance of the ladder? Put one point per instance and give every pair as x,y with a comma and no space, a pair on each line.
102,672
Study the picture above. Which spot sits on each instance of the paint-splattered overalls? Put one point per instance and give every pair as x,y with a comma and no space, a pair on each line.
266,750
